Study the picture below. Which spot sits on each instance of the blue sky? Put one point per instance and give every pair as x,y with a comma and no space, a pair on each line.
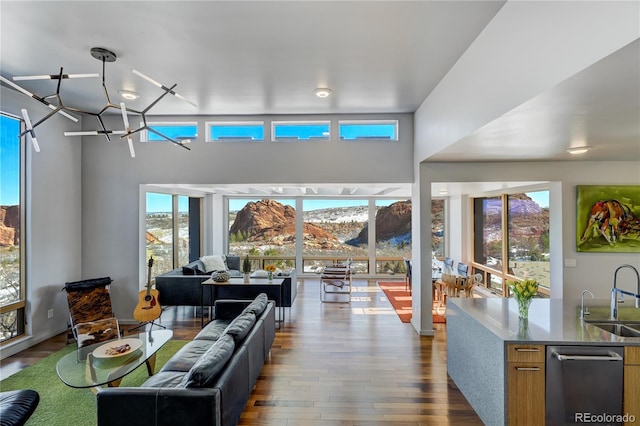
9,161
310,204
540,197
162,202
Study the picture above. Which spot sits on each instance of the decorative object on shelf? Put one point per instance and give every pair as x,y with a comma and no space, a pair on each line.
220,276
606,220
523,291
270,270
246,268
58,106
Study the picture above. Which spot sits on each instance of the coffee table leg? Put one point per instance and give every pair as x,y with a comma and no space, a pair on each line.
151,364
114,384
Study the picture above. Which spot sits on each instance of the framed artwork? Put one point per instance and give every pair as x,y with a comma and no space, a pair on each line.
608,218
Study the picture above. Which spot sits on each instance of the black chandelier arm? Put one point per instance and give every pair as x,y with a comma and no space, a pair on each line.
60,77
36,97
166,92
104,129
49,115
168,138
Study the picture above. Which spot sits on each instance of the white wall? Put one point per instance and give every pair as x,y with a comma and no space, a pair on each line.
111,182
54,220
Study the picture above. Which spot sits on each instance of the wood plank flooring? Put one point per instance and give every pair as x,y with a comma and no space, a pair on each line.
335,364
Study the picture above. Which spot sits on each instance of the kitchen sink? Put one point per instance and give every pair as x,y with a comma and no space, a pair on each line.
619,328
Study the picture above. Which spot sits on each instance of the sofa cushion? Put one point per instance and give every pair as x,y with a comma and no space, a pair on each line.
187,356
258,305
165,379
192,270
213,330
188,271
214,263
240,326
208,367
233,262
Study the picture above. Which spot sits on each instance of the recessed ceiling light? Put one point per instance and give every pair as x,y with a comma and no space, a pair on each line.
129,94
322,92
578,150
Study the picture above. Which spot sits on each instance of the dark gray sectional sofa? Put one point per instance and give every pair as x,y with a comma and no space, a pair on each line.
208,381
179,289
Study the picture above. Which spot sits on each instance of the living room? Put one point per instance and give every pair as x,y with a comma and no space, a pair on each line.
85,197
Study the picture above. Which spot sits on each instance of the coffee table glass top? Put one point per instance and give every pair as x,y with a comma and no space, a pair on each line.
81,369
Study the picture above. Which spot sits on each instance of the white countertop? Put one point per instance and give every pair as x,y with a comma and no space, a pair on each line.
550,320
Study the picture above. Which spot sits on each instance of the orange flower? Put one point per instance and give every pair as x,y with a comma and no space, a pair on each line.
270,268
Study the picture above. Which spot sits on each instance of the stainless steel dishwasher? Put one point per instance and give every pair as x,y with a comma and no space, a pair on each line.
584,385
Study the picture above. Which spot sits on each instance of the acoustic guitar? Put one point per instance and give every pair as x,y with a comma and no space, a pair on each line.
148,308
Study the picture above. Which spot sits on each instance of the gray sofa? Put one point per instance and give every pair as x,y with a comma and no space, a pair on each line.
208,381
178,288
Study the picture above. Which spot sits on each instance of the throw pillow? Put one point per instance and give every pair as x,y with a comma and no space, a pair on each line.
206,370
258,305
214,263
188,271
259,274
199,271
240,326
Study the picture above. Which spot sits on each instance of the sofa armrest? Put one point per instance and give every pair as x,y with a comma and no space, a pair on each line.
158,406
227,309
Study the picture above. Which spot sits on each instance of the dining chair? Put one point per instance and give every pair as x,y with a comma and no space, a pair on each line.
407,278
470,284
448,265
463,269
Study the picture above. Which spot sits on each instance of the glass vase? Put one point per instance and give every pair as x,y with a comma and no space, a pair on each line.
523,308
270,275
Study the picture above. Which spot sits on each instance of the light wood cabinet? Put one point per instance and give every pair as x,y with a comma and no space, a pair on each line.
631,399
525,384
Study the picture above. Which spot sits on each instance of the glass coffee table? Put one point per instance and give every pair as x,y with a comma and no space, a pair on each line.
99,364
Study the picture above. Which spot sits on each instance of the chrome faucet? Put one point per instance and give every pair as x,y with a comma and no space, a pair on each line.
584,311
615,290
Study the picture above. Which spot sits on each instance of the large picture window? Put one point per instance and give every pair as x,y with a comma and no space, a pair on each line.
265,230
393,235
335,230
170,229
12,284
511,238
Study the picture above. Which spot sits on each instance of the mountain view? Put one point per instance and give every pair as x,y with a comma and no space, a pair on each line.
268,227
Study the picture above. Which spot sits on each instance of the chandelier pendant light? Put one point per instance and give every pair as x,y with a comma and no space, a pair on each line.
58,107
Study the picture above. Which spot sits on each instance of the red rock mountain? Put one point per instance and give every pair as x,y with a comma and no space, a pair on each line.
271,220
9,225
391,221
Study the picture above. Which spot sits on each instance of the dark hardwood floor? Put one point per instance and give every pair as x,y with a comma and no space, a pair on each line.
334,364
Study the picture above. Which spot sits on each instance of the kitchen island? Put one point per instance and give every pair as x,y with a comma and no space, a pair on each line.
492,355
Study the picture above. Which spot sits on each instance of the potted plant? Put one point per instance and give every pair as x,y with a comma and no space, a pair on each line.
246,268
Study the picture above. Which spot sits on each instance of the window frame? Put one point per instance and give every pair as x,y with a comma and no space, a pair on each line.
395,124
144,134
276,123
209,124
503,273
20,305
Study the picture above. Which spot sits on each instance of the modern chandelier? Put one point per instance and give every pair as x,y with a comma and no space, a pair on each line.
57,106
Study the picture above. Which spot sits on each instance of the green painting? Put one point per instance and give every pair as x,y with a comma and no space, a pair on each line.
608,218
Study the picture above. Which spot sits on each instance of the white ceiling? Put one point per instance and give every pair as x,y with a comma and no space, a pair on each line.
241,57
267,57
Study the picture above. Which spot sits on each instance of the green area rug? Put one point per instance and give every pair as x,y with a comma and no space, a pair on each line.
61,405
